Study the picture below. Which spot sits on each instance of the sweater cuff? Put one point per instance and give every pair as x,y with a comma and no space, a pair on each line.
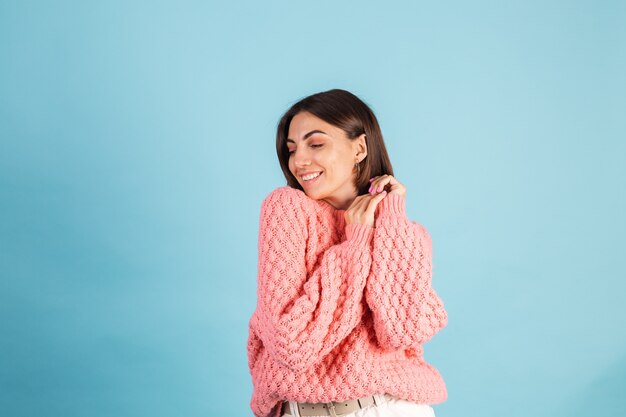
359,233
394,204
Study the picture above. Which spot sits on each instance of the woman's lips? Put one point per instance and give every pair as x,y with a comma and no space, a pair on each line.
314,180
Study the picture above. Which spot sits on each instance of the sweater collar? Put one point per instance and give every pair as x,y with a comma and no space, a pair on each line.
330,210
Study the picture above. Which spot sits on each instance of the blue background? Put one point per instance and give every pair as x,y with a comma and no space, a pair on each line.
137,143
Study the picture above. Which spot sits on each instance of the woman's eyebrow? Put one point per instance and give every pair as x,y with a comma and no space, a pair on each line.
308,135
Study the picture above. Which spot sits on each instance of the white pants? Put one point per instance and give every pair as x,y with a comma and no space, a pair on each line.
395,407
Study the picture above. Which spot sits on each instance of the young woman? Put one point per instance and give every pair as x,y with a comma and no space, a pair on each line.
345,297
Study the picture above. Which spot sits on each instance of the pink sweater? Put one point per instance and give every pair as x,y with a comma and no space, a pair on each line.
342,310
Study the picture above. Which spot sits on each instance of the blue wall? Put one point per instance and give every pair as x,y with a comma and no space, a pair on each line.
137,142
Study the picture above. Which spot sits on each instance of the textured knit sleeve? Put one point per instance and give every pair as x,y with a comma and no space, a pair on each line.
306,307
406,310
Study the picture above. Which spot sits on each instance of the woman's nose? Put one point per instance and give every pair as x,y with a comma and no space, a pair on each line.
301,159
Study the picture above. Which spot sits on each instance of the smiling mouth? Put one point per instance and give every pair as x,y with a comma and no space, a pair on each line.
313,179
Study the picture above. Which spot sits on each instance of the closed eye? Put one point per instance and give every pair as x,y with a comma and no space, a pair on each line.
317,145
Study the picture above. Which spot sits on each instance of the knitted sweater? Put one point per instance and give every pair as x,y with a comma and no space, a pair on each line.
342,310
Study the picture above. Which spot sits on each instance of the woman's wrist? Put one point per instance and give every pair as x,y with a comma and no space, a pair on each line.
394,204
359,232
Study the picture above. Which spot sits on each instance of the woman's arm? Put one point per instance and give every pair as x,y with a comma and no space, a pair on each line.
301,316
406,310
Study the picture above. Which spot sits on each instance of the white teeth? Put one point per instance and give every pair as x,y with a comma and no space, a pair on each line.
311,176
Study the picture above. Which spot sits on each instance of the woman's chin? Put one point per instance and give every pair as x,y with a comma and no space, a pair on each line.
314,194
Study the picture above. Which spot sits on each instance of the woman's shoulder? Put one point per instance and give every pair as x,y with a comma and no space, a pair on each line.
287,201
285,210
287,196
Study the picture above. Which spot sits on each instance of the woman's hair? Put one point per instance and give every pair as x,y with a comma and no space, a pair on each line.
346,111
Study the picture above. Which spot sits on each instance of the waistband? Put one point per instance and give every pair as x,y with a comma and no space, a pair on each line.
333,408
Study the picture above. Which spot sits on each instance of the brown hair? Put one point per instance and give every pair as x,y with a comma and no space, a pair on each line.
346,111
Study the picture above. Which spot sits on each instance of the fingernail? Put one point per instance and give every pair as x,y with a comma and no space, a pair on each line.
371,179
370,190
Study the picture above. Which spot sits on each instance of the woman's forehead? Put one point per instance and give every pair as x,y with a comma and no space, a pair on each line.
304,125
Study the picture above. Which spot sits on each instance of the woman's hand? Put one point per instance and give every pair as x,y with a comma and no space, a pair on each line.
388,183
362,209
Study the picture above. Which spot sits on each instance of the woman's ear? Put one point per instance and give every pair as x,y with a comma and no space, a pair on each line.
360,146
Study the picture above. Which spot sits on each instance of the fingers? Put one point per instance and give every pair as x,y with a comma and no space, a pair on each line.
378,197
359,203
386,182
378,183
362,209
373,201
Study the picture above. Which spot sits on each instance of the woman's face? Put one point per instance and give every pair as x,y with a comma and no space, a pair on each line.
319,147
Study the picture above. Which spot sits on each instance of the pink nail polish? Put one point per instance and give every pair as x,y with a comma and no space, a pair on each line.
371,179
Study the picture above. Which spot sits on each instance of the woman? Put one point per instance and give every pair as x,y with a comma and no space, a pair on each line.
345,299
